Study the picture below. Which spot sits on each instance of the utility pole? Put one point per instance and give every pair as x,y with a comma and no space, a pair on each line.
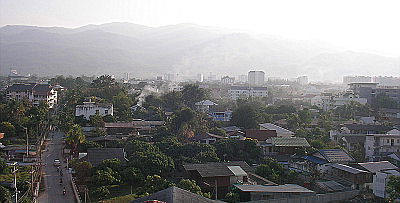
27,142
15,181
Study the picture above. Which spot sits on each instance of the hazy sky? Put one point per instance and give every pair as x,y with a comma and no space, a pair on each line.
356,24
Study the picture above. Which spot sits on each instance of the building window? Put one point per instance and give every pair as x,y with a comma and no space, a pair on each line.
387,141
106,111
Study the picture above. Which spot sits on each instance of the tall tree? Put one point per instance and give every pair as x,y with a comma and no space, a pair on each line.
192,93
74,138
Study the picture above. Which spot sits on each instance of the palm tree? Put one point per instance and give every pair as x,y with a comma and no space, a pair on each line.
75,137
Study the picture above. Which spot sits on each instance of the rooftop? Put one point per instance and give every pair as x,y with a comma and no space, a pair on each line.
260,135
288,142
335,155
174,195
287,188
278,129
374,167
346,168
214,169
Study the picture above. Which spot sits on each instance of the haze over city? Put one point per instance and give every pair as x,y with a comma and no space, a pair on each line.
177,101
325,40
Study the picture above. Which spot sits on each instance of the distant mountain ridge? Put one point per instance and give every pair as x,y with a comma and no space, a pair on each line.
116,48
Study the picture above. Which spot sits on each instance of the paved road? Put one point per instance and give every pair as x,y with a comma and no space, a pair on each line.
54,190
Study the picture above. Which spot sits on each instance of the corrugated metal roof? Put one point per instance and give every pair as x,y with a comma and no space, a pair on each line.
336,155
278,129
374,167
175,195
287,188
214,169
347,168
288,142
237,170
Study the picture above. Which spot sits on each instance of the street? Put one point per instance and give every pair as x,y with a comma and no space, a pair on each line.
53,189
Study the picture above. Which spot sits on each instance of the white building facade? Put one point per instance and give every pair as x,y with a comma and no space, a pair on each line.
88,109
239,91
33,92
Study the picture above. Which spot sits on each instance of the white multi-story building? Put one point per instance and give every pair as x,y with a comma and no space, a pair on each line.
88,109
239,91
256,77
33,92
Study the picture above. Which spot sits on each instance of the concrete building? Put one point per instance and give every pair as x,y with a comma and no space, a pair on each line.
33,92
200,77
227,80
356,79
240,91
380,180
302,80
88,109
256,78
387,81
371,91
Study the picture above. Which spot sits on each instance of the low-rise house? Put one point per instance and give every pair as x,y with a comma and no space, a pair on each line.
234,132
307,164
97,155
207,138
88,109
132,127
18,152
265,192
283,145
33,92
260,135
174,195
219,176
358,178
281,132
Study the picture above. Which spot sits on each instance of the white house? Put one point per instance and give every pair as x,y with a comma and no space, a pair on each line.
88,109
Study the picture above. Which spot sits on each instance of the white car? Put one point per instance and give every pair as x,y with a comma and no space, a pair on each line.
57,162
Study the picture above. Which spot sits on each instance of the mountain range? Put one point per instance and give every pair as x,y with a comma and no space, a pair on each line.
187,49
